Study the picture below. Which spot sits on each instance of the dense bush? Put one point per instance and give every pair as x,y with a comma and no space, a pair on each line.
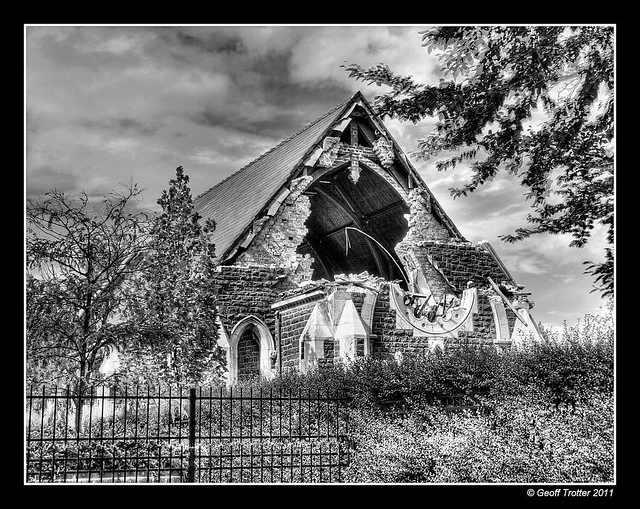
566,372
559,371
521,440
546,412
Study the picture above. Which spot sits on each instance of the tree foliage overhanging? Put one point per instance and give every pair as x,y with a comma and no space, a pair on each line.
535,101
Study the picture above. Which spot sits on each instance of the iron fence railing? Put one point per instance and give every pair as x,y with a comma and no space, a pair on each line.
205,434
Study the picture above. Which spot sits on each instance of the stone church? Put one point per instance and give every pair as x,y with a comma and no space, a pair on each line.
331,246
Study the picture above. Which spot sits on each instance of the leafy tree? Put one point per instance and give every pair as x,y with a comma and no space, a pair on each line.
495,79
171,308
78,254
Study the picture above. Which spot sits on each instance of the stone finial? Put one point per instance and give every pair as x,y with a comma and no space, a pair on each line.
329,151
354,170
349,329
383,148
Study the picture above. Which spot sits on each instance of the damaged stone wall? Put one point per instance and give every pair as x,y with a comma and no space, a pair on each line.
294,317
280,235
463,262
245,291
423,226
386,339
422,223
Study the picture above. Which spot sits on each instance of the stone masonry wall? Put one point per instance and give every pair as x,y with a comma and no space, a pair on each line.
244,291
292,323
422,223
387,340
423,226
250,290
462,262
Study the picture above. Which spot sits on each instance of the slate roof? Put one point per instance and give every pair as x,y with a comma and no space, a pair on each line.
236,202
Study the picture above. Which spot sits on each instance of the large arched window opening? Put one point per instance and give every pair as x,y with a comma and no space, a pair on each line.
371,206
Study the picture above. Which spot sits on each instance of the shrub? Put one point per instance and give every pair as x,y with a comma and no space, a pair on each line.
560,372
565,371
520,441
548,412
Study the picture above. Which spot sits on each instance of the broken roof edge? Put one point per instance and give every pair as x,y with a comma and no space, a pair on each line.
494,254
232,249
278,145
412,170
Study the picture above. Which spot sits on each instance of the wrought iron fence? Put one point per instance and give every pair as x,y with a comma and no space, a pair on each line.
206,434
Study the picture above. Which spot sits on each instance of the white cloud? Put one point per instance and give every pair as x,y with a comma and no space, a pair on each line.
205,156
366,46
119,44
202,82
122,145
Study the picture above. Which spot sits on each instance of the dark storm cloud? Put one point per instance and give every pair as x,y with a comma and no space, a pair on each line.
122,126
211,41
196,46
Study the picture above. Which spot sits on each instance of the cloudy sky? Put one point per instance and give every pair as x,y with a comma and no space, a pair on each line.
106,105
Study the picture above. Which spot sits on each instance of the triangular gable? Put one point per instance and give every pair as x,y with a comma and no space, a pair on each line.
258,188
409,168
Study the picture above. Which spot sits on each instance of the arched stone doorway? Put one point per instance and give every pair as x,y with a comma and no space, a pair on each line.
251,347
249,355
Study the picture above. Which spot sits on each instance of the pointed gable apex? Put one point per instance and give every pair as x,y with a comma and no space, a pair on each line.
257,189
350,324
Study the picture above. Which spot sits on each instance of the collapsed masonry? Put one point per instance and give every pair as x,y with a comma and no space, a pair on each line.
331,247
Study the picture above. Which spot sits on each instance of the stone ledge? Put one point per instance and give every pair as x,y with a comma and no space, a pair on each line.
298,299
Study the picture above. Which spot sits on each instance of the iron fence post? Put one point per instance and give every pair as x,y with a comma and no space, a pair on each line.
191,472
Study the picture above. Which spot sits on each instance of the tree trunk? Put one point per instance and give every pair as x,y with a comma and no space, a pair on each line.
81,388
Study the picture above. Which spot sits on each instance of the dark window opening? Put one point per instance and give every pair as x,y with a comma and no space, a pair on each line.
248,355
354,228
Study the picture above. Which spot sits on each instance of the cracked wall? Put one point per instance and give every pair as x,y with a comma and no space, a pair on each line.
423,227
279,236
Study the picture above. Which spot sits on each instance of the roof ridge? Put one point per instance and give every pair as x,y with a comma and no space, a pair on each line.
298,133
